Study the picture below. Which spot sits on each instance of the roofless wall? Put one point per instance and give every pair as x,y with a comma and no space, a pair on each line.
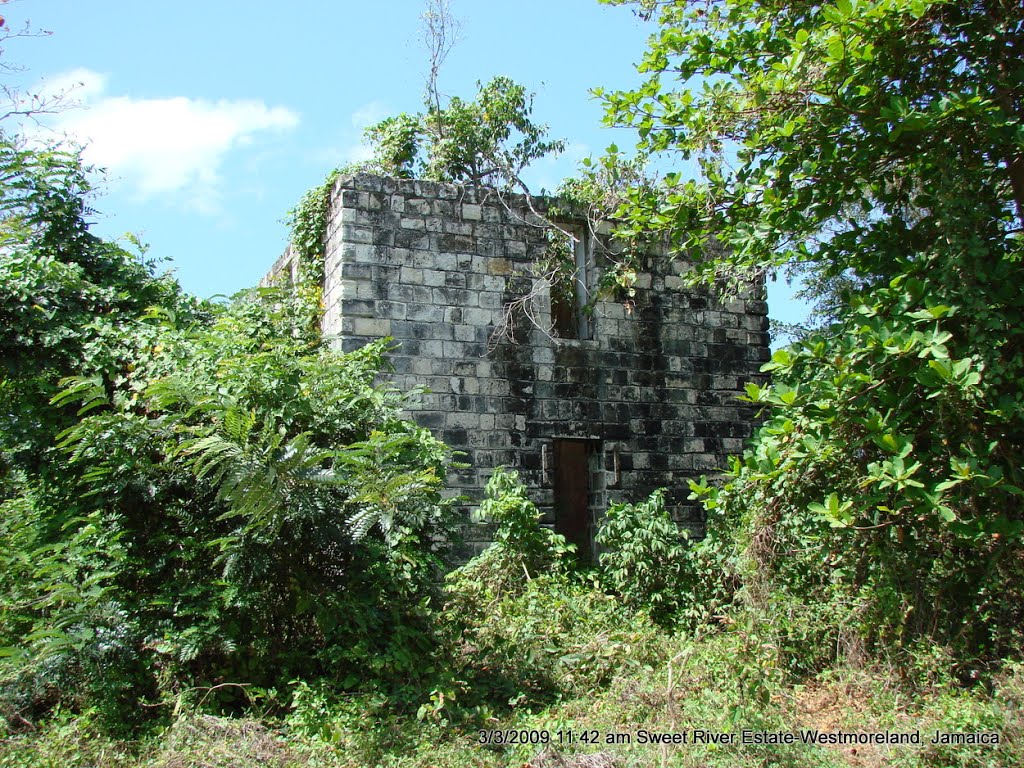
642,396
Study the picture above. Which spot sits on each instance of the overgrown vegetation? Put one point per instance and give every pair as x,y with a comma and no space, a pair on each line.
885,486
221,544
197,499
485,141
488,140
538,666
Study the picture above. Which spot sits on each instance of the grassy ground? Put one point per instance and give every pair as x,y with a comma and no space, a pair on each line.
694,688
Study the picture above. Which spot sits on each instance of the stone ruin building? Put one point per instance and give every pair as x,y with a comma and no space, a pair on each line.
590,401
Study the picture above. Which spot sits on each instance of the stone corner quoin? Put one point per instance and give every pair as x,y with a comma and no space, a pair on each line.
644,396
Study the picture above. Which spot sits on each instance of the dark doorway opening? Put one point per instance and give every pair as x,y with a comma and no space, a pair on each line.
572,494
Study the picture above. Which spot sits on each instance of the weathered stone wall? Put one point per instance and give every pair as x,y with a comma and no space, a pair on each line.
653,391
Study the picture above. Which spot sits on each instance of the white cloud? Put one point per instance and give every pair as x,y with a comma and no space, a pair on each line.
79,84
368,114
164,146
352,148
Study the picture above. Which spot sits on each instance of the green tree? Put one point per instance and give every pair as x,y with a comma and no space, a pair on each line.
191,493
65,293
485,141
888,475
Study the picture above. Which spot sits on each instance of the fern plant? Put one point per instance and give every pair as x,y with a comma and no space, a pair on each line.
275,516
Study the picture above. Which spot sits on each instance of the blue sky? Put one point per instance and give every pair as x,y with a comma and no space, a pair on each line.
211,119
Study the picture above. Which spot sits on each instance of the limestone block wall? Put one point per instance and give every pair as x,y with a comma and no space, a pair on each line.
649,400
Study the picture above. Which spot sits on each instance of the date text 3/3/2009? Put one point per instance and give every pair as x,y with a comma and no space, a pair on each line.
514,736
535,736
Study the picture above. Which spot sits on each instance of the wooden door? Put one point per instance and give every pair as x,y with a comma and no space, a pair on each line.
572,489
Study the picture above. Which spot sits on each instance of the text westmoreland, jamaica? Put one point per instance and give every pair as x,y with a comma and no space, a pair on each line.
823,738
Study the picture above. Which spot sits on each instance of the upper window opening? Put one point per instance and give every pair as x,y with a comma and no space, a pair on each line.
570,273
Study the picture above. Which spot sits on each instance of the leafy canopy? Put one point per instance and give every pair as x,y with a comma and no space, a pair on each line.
879,142
191,493
488,140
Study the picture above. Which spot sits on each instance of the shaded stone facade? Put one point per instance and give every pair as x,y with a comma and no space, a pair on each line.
644,397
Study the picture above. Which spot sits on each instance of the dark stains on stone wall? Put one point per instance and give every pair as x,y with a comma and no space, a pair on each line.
652,394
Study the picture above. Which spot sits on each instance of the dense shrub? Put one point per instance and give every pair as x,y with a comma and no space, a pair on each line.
643,556
193,495
523,625
521,547
878,146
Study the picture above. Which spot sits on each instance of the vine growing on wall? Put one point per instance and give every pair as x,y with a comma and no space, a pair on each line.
586,206
307,224
490,140
595,196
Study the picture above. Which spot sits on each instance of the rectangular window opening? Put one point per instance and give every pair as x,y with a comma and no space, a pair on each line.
571,277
